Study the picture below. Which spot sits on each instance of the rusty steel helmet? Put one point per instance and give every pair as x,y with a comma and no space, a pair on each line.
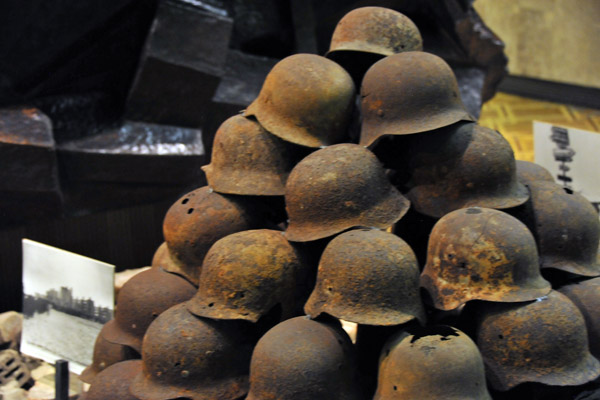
367,34
566,227
481,254
302,359
195,358
306,99
106,354
543,341
369,277
197,220
248,160
143,298
438,362
407,93
114,382
246,274
586,296
375,30
528,172
461,166
337,188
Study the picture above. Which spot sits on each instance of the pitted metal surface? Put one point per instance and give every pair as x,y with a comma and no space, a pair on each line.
247,160
542,341
302,359
106,354
337,188
143,298
481,254
195,358
199,219
437,363
464,165
567,229
408,93
369,277
246,274
114,382
307,100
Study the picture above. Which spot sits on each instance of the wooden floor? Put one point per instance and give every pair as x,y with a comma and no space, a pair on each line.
513,116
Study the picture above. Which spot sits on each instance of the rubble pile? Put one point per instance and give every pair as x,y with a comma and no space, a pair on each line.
468,275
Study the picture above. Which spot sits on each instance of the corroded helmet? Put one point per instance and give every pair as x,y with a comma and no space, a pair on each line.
248,160
409,93
369,277
543,341
528,172
114,382
337,188
464,165
481,254
197,220
136,309
106,354
302,359
439,362
586,296
162,259
367,34
246,274
567,229
194,358
306,99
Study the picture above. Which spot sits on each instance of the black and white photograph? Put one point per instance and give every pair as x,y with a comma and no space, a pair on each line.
66,300
570,155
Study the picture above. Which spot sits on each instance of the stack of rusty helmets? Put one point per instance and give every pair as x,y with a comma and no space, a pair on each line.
308,273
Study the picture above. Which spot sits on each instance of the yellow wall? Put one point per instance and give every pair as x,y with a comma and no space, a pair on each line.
556,40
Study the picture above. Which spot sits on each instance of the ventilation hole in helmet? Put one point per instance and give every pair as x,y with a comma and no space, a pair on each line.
177,364
191,210
185,201
154,314
330,289
500,336
211,304
568,190
451,256
395,387
242,295
462,265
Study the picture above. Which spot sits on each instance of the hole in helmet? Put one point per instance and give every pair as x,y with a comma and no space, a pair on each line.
191,210
242,295
451,256
154,314
462,265
330,288
185,201
395,387
211,304
568,190
177,364
441,330
500,336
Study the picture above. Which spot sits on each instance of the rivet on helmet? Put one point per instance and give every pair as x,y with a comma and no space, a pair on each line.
337,188
409,93
481,254
369,277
